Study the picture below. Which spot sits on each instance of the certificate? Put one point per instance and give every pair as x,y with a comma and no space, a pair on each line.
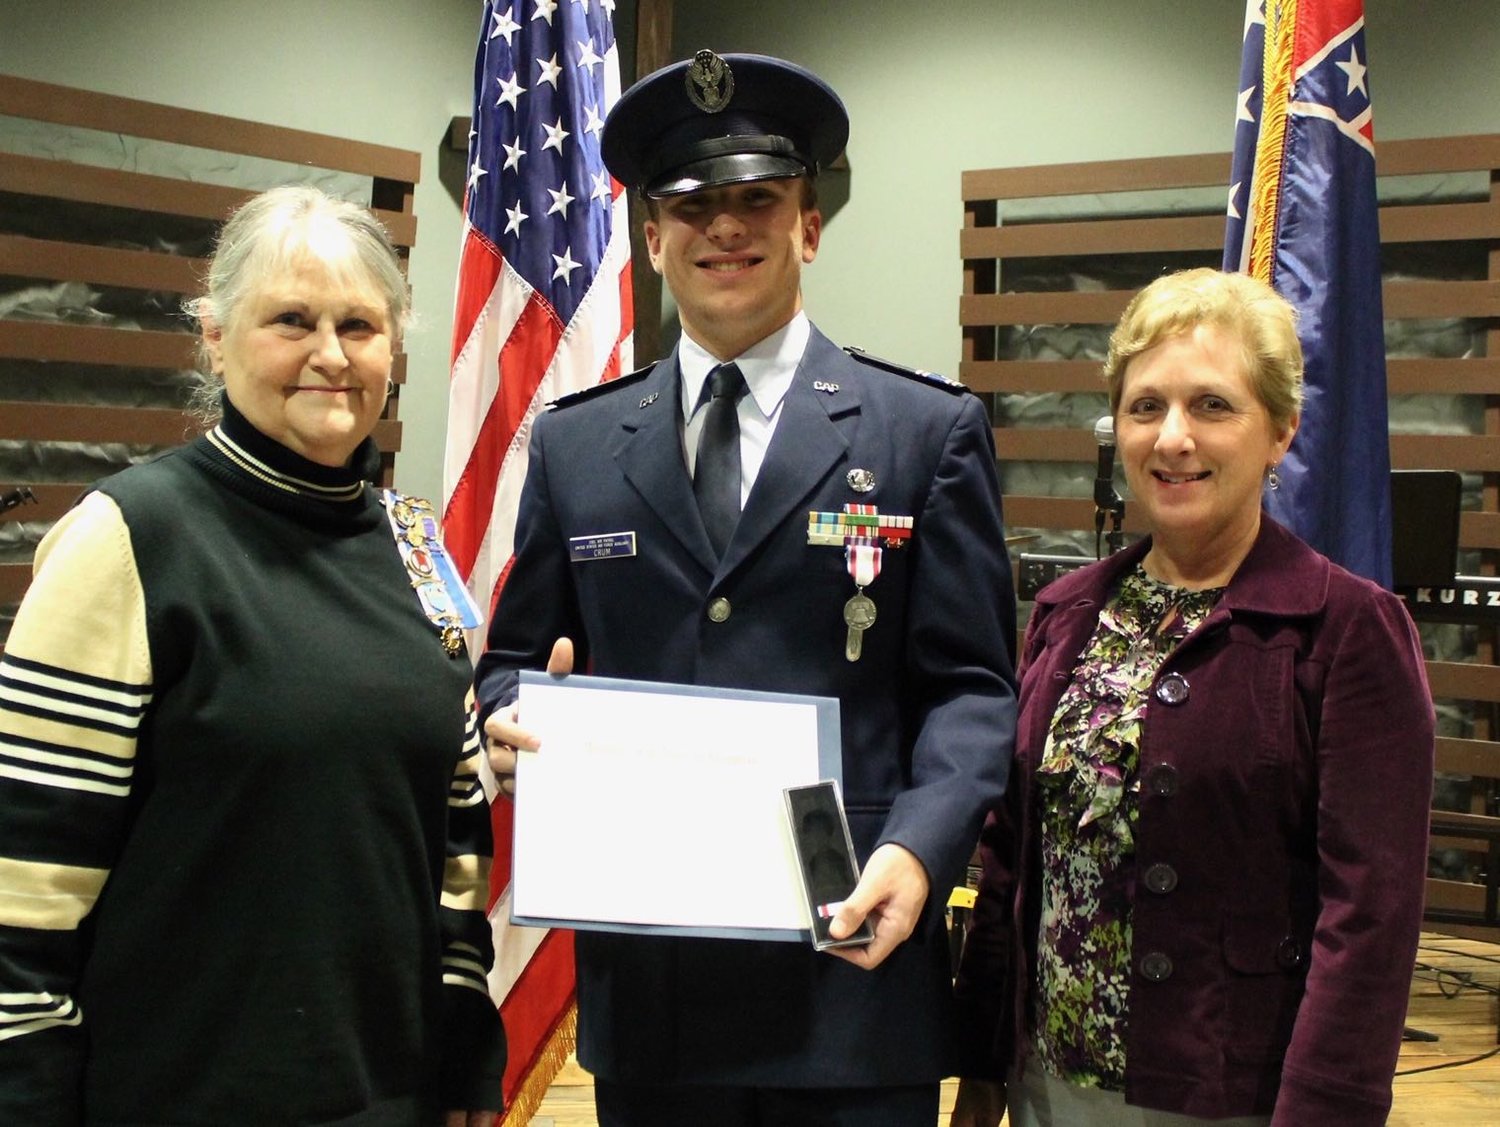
658,808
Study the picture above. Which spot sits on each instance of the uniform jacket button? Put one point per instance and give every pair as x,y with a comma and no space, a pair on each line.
1289,953
1172,689
1161,878
718,610
1161,780
1156,966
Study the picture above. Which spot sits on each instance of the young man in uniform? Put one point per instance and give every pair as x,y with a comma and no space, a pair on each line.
722,459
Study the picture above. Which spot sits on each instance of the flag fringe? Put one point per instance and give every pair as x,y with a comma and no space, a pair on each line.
1276,97
550,1059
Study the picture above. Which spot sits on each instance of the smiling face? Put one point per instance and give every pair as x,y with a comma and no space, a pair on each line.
1196,443
732,257
305,359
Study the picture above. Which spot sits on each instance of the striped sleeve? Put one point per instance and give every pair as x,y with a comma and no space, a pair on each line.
475,1053
75,679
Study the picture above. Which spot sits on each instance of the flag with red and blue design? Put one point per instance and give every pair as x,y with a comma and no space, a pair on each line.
543,308
1303,217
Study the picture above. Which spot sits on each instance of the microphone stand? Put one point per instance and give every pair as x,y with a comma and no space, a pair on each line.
20,495
1112,506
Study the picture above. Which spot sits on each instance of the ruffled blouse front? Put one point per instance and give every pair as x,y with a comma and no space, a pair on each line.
1088,784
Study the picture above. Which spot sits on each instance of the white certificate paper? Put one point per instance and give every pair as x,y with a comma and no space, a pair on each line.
658,808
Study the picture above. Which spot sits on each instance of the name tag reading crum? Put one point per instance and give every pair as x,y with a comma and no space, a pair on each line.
601,546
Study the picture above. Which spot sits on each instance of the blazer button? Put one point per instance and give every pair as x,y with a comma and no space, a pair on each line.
1161,878
1161,780
718,610
1172,689
1289,954
1156,967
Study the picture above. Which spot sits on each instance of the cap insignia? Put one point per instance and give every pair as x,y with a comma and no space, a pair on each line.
709,82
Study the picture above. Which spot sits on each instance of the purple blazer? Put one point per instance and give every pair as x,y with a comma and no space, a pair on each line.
1286,778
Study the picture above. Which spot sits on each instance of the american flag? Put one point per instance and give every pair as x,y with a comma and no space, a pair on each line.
1303,216
543,308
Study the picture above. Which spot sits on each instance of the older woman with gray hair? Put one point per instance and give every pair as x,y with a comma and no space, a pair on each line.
1200,900
243,846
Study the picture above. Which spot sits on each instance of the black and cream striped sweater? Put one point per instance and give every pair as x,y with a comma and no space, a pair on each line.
243,848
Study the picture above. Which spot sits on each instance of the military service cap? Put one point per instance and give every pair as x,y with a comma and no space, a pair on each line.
728,119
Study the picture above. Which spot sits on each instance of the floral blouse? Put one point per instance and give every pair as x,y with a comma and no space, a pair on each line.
1087,789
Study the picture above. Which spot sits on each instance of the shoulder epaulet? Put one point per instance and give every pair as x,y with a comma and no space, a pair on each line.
932,379
601,388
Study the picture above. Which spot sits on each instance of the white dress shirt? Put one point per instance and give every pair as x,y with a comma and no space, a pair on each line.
768,367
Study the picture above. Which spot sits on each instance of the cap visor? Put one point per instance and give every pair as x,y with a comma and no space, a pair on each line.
732,168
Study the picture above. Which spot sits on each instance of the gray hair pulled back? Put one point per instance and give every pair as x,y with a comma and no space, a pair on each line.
267,236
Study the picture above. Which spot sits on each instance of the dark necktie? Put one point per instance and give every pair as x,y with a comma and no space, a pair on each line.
716,476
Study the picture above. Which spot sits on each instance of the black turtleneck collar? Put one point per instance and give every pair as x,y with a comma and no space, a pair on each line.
248,460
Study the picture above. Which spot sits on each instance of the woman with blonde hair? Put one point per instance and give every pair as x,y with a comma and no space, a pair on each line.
243,847
1201,896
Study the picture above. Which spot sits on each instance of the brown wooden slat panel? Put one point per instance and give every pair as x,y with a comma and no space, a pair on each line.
101,266
1463,681
1044,444
1469,757
62,422
1071,307
1103,236
84,183
1064,307
1408,451
1471,152
1464,153
1022,511
387,435
14,579
1091,177
115,348
1479,530
1477,375
1408,223
1481,826
64,105
1476,530
1031,375
1412,223
1455,895
88,344
1441,299
1439,840
1445,452
150,426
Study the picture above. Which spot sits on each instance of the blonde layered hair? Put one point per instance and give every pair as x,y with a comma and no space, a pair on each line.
1251,315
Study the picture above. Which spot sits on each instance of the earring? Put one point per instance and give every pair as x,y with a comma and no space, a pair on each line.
1273,479
390,387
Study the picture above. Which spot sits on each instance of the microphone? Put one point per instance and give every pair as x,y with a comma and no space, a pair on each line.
1105,497
1107,503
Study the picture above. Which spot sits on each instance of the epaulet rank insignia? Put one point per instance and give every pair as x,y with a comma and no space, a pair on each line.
932,379
601,388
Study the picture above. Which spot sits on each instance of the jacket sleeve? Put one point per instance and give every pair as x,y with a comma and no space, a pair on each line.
960,637
1374,757
475,1049
75,680
985,986
537,604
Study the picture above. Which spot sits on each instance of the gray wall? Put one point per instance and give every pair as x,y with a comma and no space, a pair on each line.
932,88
